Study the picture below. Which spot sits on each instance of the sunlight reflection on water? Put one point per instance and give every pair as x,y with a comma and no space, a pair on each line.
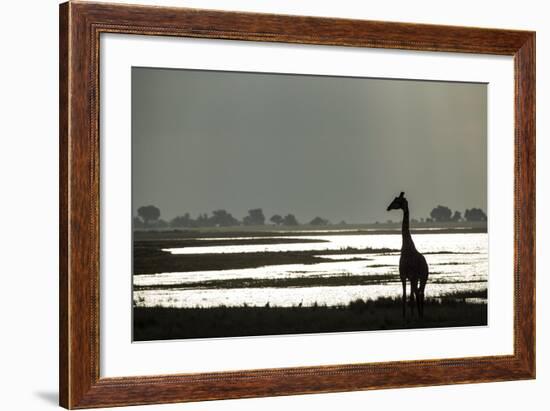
463,270
424,242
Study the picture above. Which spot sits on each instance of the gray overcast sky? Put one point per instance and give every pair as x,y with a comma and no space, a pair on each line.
339,148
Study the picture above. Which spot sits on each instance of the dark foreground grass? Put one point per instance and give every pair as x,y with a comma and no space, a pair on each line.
160,323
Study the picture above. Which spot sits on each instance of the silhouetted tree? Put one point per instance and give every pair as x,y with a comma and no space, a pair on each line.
276,219
441,213
457,216
289,219
148,213
203,220
182,221
223,219
475,214
160,223
254,217
319,221
138,223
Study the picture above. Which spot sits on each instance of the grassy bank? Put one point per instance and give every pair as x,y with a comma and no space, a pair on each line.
383,314
289,282
269,230
150,259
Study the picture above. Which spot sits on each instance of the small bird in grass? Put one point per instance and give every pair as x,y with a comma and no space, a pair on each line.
267,305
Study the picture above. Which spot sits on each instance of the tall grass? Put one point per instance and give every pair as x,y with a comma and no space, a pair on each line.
160,323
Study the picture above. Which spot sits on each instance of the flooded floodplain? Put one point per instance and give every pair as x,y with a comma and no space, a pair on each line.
337,269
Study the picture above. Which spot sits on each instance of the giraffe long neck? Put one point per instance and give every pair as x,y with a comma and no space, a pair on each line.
405,232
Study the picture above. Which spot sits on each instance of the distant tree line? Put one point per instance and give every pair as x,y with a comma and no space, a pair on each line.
149,217
444,214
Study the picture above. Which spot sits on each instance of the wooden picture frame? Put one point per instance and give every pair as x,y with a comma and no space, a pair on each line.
80,27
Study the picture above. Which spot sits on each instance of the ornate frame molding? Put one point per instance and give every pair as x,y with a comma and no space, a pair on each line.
81,24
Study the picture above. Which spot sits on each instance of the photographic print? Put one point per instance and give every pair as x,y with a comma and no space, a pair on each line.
269,204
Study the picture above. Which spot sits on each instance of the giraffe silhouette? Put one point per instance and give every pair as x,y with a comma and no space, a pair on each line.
412,264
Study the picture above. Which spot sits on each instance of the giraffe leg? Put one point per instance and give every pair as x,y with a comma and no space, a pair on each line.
411,297
420,303
404,282
414,295
421,298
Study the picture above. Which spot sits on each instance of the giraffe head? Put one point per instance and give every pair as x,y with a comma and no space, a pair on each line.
398,203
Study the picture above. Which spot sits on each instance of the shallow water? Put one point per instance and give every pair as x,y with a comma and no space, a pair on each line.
465,269
424,243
